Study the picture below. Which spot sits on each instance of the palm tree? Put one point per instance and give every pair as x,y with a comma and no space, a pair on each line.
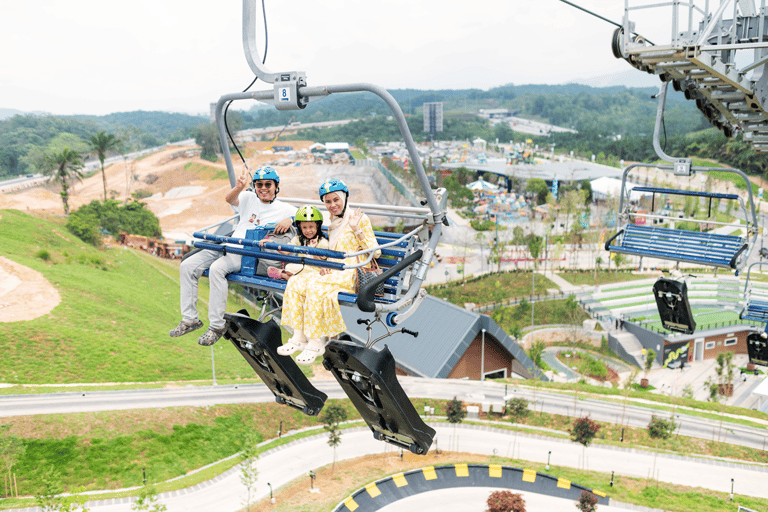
100,144
62,166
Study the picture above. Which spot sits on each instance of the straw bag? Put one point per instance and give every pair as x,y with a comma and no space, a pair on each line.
366,274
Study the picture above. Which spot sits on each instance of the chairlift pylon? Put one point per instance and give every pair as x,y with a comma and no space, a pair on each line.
716,56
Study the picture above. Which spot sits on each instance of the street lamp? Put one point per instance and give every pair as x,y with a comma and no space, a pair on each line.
280,432
271,498
548,457
731,489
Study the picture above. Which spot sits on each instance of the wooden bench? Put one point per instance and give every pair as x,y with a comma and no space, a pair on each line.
394,262
679,245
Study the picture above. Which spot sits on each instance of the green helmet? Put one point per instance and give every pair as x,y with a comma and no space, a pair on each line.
308,213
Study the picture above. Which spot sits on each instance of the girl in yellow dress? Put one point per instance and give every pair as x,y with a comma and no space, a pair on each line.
310,302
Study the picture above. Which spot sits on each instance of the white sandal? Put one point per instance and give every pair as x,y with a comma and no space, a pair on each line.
315,348
293,345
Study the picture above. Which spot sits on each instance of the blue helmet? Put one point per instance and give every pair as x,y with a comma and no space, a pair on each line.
266,173
333,185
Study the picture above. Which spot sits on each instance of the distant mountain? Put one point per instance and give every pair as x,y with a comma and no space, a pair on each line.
5,113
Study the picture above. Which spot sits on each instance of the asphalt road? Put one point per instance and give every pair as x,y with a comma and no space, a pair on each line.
476,392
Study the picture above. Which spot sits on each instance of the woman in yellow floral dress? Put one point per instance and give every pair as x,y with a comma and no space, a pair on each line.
310,302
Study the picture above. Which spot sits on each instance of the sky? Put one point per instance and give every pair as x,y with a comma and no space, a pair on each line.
98,57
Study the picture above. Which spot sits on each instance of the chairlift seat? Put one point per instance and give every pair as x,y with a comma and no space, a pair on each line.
755,299
711,249
394,286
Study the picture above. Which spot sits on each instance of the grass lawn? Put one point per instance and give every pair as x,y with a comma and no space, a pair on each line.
491,288
562,311
107,450
117,306
601,277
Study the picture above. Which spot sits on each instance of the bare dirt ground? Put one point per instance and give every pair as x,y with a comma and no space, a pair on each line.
184,198
24,293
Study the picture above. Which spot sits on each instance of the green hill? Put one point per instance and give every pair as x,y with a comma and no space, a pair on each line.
112,324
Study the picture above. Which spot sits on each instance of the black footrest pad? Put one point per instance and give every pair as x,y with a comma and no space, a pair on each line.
368,377
258,342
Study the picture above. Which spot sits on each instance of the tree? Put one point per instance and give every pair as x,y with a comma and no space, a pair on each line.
248,472
650,357
147,500
101,144
619,259
207,137
517,408
63,166
12,449
587,502
333,416
584,430
725,367
538,187
660,428
505,501
536,351
455,411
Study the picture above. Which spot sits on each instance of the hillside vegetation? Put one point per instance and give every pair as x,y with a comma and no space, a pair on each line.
613,123
112,324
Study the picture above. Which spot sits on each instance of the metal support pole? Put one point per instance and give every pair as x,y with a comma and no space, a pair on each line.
482,356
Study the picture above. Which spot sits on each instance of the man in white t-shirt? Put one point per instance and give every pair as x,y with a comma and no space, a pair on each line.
258,208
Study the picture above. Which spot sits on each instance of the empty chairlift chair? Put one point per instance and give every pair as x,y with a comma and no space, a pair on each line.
682,245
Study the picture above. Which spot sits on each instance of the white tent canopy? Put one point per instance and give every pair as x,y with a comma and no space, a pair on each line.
482,185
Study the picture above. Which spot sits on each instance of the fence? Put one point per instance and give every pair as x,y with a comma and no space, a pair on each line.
559,295
392,179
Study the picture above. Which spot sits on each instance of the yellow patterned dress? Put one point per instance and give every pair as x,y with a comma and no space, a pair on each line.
310,302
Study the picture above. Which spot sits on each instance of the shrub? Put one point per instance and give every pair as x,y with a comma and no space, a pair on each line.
518,408
587,502
455,411
43,255
142,193
505,501
584,430
660,428
85,226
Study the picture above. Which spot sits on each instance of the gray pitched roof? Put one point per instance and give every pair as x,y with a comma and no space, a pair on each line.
445,332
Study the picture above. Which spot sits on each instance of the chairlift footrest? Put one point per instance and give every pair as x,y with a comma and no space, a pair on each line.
757,348
673,305
258,342
368,377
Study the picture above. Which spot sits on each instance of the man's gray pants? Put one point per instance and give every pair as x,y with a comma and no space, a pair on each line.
190,271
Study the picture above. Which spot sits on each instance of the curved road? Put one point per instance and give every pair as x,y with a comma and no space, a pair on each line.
283,465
